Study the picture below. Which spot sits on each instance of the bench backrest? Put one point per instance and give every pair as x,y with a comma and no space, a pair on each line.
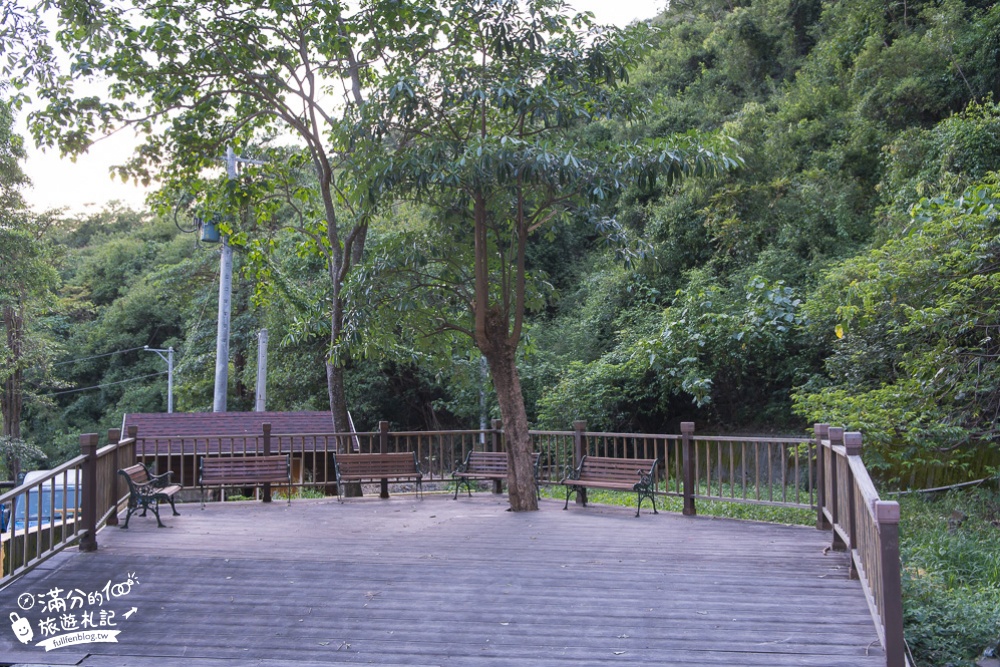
370,466
137,474
614,469
243,469
491,463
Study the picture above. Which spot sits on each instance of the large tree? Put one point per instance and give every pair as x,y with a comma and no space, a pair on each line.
485,130
25,283
191,76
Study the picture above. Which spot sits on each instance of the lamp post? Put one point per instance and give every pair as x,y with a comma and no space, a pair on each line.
170,373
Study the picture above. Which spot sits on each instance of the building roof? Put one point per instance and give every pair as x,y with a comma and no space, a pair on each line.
202,432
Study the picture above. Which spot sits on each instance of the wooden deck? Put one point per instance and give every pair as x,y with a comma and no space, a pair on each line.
445,582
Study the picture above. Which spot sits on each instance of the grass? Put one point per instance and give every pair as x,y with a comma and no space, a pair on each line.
728,510
950,547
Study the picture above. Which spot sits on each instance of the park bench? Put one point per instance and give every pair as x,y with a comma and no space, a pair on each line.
612,473
395,466
148,491
485,466
244,471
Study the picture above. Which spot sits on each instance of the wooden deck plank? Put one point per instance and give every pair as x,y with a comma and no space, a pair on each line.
435,581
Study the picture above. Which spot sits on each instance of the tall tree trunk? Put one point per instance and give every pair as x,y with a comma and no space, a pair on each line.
501,355
335,374
10,397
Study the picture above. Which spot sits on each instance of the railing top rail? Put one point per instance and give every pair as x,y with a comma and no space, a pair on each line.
475,431
653,436
113,445
865,485
781,439
210,436
330,434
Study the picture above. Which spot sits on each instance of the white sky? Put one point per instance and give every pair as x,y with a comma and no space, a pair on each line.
87,186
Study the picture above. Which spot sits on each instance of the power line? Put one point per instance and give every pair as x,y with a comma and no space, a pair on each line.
97,356
101,386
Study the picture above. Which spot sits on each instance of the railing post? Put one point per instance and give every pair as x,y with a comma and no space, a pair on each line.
132,432
114,436
495,437
887,517
852,447
88,501
383,447
267,452
579,450
687,467
836,440
822,432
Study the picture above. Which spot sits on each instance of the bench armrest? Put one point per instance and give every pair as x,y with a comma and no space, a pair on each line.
161,480
569,472
647,477
462,467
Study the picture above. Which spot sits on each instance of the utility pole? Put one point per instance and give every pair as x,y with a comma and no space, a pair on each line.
261,399
170,373
225,307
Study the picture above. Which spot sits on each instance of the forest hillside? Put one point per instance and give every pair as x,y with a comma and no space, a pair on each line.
844,273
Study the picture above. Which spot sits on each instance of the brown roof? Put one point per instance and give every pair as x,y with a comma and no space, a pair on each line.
207,431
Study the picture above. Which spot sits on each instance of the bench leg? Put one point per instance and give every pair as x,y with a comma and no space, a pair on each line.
645,493
459,481
171,499
128,515
156,513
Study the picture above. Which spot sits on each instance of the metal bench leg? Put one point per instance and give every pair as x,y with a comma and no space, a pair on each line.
645,494
171,499
156,513
128,515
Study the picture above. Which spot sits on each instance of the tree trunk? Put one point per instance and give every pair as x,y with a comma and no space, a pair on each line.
10,396
501,354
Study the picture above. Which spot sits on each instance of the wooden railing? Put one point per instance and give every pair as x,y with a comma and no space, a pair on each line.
867,527
38,525
758,470
824,472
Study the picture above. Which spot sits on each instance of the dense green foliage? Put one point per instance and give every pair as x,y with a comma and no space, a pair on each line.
950,548
800,288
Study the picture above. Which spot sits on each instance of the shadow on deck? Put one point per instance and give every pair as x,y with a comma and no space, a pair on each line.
444,582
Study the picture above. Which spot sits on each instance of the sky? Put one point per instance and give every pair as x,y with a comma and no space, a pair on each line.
86,185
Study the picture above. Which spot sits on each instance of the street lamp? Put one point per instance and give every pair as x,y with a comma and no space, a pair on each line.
170,373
